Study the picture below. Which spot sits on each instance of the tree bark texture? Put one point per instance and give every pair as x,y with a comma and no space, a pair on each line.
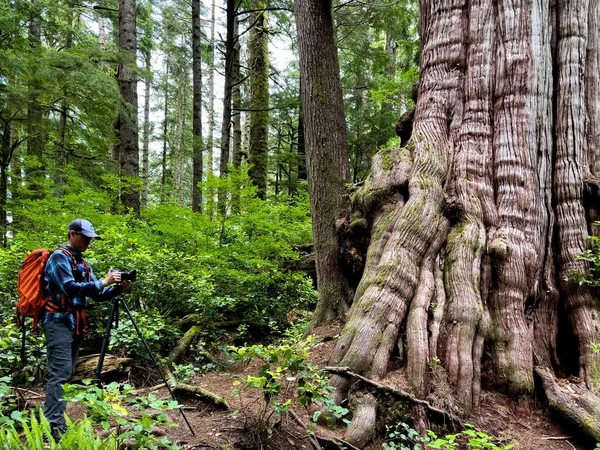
475,225
236,98
326,149
128,123
34,171
197,108
210,201
226,124
258,58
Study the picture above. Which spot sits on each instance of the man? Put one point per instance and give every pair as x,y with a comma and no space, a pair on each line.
69,281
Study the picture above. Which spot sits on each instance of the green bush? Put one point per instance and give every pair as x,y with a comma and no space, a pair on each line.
224,268
10,351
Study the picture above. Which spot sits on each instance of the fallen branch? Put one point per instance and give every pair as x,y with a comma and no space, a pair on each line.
574,401
396,392
203,394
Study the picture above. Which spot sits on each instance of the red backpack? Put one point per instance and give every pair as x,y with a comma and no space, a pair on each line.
30,285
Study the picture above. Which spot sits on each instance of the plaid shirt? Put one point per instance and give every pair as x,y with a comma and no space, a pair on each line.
60,278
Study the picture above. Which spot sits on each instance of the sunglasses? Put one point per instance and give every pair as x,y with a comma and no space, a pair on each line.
87,238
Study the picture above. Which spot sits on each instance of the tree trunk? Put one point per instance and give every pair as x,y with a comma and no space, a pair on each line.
34,171
258,56
163,175
326,149
476,224
238,154
147,52
197,108
146,135
128,123
60,154
210,195
226,124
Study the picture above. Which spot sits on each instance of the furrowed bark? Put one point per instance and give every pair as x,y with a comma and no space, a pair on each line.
568,183
505,150
467,317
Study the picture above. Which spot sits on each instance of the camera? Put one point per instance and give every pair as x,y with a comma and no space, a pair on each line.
130,275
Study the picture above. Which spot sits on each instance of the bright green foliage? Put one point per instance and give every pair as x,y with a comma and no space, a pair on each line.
37,436
286,373
592,257
403,437
10,352
118,406
379,55
224,269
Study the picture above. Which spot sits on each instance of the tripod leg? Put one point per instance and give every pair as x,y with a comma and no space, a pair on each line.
114,310
152,357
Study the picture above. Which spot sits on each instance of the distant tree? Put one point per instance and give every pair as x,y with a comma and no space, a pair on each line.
210,144
258,61
326,149
146,46
228,86
197,144
128,120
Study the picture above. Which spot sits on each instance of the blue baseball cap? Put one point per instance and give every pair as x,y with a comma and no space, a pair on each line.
84,227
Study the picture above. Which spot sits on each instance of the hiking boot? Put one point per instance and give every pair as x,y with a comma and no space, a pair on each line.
57,432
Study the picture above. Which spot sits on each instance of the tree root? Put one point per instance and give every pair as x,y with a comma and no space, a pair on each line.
445,416
364,422
319,442
573,401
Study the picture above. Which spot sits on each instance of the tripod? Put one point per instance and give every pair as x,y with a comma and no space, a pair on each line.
113,317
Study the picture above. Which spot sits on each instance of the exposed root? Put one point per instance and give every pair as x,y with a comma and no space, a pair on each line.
364,422
444,416
574,401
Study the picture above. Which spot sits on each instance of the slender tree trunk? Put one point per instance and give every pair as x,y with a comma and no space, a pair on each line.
326,149
163,176
259,98
226,123
475,225
197,145
128,122
237,99
146,132
60,147
35,130
5,157
210,201
148,77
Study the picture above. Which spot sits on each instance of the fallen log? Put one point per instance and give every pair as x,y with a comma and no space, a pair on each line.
202,394
573,401
112,367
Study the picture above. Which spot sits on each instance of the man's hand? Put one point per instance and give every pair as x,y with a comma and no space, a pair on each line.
114,276
126,284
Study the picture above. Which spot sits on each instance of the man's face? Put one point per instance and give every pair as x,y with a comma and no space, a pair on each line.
78,241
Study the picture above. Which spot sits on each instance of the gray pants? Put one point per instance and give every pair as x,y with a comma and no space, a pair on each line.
63,348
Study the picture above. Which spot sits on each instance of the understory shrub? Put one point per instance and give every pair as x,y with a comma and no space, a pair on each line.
222,268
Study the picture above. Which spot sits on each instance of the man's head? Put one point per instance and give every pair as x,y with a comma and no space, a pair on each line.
81,232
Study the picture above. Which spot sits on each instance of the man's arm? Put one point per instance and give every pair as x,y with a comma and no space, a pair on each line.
60,272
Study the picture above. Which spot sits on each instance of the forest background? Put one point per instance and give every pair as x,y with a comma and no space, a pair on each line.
114,112
432,167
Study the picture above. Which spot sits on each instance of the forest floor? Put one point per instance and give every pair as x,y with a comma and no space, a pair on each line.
496,415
